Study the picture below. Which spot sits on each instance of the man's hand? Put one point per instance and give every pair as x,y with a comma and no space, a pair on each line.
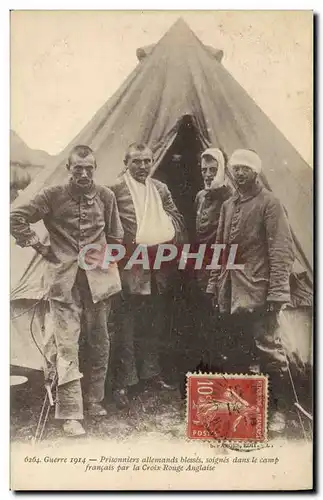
274,307
47,252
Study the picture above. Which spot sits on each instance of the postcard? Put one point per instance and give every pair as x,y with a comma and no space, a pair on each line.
161,185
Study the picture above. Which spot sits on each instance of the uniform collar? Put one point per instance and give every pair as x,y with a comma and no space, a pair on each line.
77,193
254,191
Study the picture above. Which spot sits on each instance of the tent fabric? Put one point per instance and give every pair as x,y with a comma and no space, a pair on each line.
26,334
180,77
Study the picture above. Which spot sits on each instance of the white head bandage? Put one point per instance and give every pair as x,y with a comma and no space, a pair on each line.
246,157
219,179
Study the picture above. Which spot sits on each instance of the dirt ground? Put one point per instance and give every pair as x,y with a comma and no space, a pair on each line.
150,413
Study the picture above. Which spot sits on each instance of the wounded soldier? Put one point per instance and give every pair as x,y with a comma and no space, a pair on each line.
149,218
75,214
208,205
252,297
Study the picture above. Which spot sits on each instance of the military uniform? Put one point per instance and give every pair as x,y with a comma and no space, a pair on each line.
73,219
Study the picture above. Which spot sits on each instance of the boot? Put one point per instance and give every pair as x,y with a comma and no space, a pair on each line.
158,383
96,410
120,397
73,428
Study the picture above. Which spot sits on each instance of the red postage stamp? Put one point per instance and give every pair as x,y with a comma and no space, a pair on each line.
227,407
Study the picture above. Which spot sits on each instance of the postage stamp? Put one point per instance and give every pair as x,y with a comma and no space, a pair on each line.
227,407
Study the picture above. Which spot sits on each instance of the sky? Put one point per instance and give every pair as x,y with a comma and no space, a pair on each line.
66,64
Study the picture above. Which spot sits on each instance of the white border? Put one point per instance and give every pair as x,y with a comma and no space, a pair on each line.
4,198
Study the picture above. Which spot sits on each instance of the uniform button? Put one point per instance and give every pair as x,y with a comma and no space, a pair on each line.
83,216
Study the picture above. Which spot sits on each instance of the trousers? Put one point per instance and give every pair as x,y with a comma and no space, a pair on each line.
203,339
80,328
254,340
141,320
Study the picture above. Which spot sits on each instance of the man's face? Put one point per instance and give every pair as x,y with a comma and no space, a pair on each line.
82,170
243,175
139,164
209,169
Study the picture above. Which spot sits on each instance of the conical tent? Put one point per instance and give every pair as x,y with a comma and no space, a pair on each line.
176,77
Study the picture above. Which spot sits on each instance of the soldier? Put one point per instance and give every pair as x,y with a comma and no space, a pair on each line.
149,217
75,214
252,297
208,205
